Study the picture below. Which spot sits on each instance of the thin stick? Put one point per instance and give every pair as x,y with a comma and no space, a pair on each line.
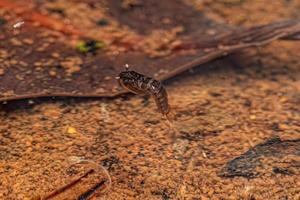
86,194
65,187
170,121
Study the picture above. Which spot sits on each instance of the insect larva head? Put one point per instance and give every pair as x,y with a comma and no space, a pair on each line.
127,78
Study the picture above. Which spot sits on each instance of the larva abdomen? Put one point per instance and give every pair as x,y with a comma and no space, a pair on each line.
161,100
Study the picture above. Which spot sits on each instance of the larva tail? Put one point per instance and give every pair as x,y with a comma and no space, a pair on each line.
171,121
171,116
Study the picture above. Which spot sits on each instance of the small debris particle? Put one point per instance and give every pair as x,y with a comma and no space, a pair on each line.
30,102
71,130
58,11
103,22
283,127
275,127
2,21
252,117
278,170
89,46
248,103
18,24
127,4
215,94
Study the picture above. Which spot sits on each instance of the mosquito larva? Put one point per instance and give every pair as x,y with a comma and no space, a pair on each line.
143,85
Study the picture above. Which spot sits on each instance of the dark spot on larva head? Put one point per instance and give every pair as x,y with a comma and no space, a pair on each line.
127,77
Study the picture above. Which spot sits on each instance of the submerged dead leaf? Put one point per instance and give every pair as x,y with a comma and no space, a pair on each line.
181,45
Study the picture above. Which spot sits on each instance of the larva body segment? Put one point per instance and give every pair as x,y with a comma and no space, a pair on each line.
160,96
143,85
